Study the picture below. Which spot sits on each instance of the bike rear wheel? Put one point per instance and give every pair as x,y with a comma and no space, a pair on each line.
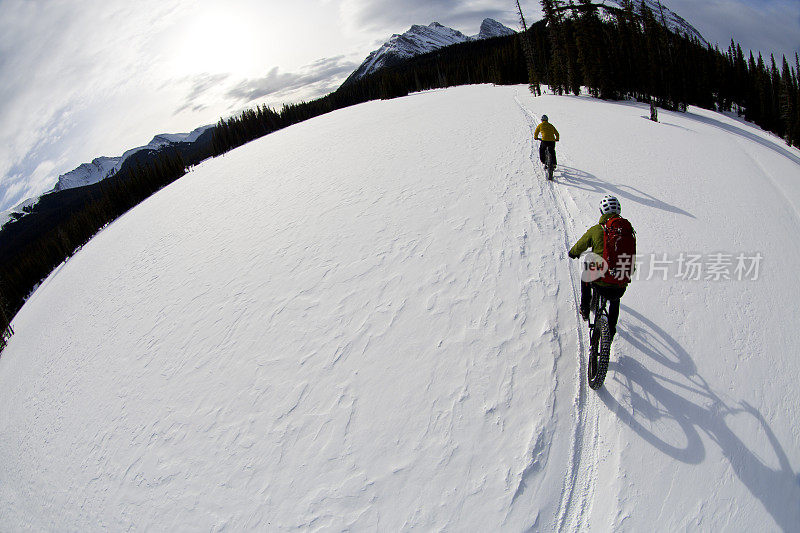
599,352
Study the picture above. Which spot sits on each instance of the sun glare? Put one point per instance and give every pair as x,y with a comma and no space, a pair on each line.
219,41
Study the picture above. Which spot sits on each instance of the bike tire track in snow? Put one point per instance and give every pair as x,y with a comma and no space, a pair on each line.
580,476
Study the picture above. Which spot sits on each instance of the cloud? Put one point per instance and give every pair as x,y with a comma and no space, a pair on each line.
201,85
463,15
13,191
316,79
31,173
60,62
23,183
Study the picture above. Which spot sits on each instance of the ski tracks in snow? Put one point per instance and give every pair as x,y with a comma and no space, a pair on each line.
579,479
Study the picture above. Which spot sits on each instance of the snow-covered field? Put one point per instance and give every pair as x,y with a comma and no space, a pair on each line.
369,321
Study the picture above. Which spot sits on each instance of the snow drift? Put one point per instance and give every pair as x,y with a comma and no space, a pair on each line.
369,321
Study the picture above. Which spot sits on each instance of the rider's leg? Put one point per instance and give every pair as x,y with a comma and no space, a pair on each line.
613,316
542,148
553,150
586,299
613,294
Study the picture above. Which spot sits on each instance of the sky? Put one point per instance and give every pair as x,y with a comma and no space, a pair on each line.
88,78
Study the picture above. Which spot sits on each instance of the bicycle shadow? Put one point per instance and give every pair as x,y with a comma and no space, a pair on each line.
649,401
573,177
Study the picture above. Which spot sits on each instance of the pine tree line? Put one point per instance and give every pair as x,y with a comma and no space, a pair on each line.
636,55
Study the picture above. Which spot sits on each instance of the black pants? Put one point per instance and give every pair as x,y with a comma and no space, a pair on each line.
612,294
547,145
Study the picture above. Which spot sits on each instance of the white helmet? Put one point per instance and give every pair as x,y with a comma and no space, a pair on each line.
610,204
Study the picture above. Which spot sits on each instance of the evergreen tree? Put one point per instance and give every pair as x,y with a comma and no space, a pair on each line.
589,42
558,78
5,324
751,92
788,103
533,81
775,124
628,44
797,99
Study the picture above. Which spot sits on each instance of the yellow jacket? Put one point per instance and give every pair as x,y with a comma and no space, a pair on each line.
548,131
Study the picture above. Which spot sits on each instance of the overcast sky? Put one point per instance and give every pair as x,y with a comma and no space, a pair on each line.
89,78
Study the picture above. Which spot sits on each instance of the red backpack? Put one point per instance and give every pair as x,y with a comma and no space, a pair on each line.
619,251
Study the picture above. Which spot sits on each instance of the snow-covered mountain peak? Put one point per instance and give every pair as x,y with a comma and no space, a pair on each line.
491,28
419,40
103,167
87,173
673,21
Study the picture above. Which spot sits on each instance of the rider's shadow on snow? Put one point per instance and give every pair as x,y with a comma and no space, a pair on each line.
589,182
672,414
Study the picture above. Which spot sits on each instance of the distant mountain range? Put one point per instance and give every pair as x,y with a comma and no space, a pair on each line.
31,219
420,40
101,168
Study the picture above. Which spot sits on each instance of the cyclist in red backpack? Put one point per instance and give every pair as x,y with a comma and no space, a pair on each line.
614,240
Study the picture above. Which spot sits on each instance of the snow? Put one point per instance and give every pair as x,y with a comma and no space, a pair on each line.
368,321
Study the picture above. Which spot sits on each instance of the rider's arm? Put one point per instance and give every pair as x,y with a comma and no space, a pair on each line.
536,132
582,245
558,137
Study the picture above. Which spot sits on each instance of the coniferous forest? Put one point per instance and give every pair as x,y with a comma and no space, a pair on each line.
615,53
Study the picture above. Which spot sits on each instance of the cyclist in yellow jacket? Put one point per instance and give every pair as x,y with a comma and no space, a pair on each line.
548,134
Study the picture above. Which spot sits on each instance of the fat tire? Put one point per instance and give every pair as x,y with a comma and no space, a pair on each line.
600,353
